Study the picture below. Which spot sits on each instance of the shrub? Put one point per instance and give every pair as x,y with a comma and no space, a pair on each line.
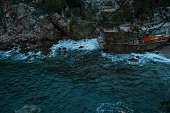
72,22
51,6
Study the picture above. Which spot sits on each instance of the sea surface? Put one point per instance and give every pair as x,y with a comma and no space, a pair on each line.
83,80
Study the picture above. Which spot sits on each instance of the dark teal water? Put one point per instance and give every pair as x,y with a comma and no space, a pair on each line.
85,81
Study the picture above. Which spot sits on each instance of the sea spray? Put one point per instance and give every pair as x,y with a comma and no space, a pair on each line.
64,45
83,45
16,55
70,45
144,58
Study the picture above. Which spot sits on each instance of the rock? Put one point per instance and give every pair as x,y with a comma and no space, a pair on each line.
81,47
137,57
157,53
26,54
16,41
29,109
15,53
32,47
59,52
133,60
24,30
64,48
13,44
153,62
51,28
28,58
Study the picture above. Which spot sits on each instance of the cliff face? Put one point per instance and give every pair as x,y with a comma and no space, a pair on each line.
26,30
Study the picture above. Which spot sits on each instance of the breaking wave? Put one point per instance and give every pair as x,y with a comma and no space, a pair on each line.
16,55
70,45
84,45
144,58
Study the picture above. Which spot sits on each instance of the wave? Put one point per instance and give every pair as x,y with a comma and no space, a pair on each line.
143,58
16,55
118,107
83,45
70,45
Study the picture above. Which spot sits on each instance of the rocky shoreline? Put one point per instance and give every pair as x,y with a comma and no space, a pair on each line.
31,33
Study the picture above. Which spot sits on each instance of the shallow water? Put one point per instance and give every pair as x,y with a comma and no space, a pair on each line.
83,80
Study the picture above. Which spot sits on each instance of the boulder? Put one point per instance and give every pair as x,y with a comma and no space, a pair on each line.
81,47
52,29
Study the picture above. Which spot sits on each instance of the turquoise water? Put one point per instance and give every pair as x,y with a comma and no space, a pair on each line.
83,80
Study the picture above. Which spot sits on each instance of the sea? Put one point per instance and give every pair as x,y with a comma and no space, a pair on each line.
78,77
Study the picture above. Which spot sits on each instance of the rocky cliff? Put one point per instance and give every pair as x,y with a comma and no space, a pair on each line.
29,32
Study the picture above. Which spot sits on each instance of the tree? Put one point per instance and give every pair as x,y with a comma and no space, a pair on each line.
51,6
137,14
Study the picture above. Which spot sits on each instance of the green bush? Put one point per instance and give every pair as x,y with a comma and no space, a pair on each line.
109,3
51,6
68,14
72,22
73,3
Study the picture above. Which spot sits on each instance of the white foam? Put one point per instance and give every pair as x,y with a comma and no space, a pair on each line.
87,44
7,54
15,55
143,58
117,107
148,56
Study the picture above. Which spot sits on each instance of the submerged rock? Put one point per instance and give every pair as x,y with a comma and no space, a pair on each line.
29,109
81,47
133,60
28,58
153,62
137,57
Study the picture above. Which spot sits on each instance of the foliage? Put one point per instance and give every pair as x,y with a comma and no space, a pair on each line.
92,17
109,3
51,6
73,3
136,14
72,22
68,14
